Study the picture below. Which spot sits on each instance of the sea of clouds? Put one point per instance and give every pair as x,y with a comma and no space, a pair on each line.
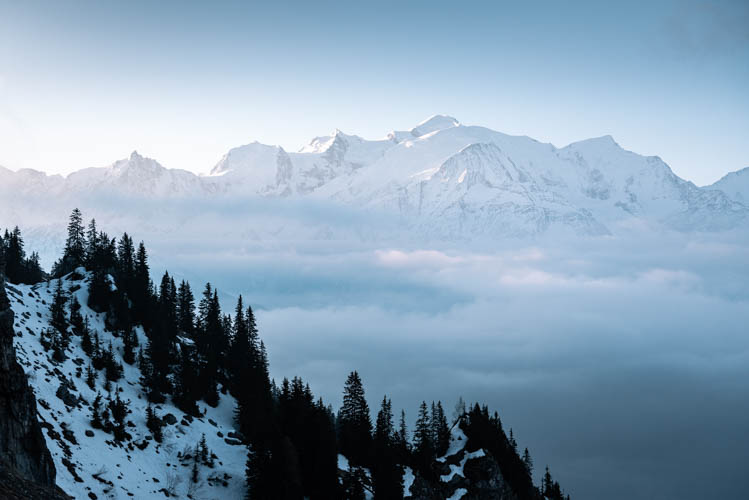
621,362
623,365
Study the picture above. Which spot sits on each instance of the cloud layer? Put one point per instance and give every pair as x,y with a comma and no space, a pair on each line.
622,364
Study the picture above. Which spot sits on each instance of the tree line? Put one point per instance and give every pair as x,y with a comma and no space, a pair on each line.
195,351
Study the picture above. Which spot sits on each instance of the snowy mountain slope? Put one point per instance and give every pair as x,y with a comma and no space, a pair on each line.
137,176
735,185
433,124
439,180
88,461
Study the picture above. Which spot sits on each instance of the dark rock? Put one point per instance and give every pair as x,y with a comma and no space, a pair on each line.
89,433
23,450
422,489
67,397
15,487
220,434
212,422
169,419
485,480
236,435
69,435
232,442
480,477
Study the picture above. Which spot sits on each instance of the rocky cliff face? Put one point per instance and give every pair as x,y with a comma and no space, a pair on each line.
468,476
25,462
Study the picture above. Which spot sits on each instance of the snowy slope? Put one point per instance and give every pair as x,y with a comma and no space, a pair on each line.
96,464
135,175
735,185
439,180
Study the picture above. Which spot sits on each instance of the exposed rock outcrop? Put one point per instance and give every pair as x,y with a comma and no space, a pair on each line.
26,462
15,487
479,479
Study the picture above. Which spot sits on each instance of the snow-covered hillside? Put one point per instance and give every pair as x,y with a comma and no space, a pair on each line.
89,462
196,457
441,180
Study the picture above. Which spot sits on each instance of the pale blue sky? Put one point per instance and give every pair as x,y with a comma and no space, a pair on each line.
84,83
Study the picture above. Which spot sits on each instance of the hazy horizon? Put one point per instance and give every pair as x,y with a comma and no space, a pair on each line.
206,169
183,83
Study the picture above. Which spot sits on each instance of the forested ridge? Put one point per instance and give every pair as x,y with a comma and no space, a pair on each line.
195,351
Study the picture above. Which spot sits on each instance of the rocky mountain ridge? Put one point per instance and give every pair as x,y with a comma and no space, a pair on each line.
439,180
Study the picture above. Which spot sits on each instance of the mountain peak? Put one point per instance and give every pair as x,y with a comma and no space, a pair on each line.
134,156
324,143
434,123
604,141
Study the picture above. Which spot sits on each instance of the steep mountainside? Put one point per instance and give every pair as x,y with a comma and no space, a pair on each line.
26,467
90,460
92,463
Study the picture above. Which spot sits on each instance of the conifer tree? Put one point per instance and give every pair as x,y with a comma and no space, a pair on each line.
354,423
74,254
57,309
546,484
14,255
195,474
86,344
528,461
186,381
96,422
440,429
119,410
240,352
259,472
100,292
168,306
402,445
423,447
112,369
353,483
76,319
210,343
91,376
154,424
92,243
125,264
156,374
512,441
141,294
18,268
185,310
387,475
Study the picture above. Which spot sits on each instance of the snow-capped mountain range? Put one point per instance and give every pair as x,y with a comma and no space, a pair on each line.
440,180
